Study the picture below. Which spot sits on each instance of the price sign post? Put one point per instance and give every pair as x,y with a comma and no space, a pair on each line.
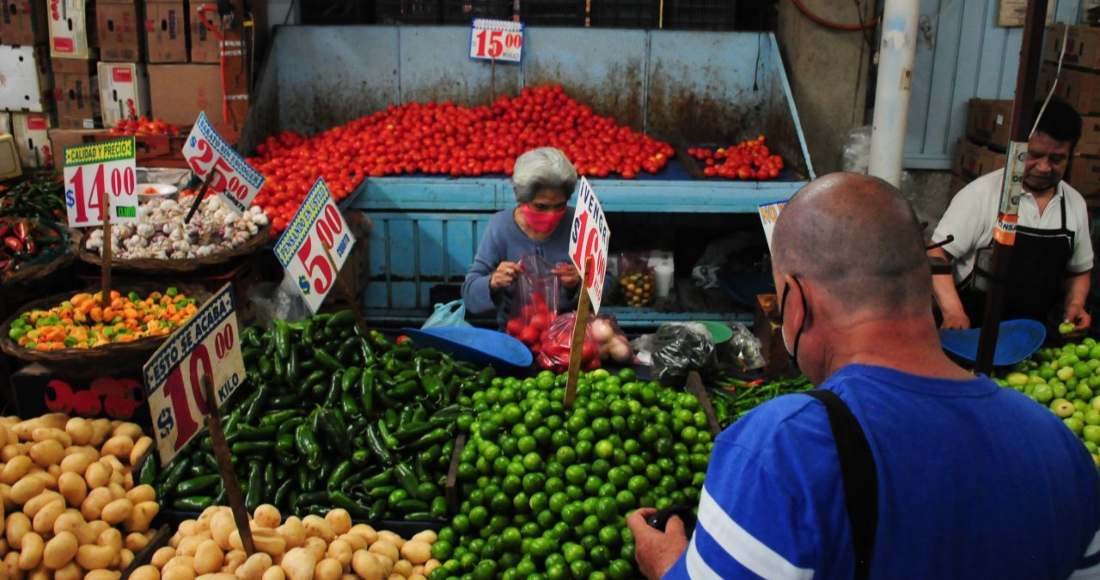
315,246
588,241
101,188
222,169
494,40
188,378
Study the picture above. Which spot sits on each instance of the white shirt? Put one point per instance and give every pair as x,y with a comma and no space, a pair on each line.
972,217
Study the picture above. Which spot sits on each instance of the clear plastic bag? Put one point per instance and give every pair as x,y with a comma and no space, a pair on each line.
637,283
744,348
449,314
553,350
611,341
282,301
535,301
679,347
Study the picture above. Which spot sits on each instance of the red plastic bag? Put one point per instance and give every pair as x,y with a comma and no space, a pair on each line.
535,301
553,352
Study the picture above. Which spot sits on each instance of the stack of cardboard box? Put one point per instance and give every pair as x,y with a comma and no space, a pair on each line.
27,99
1080,85
185,73
981,151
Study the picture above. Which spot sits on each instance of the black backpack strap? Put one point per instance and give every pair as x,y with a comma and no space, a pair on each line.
857,469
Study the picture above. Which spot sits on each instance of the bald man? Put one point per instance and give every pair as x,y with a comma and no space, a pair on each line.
974,481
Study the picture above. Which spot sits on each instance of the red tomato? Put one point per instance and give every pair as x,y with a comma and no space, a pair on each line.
514,327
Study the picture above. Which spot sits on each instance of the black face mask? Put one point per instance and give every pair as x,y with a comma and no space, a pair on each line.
783,311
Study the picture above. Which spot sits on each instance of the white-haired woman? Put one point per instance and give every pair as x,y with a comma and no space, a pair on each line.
544,180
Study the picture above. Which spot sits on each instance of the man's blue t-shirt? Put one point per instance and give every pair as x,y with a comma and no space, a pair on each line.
974,481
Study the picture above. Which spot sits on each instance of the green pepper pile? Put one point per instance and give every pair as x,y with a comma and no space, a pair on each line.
736,398
41,198
336,418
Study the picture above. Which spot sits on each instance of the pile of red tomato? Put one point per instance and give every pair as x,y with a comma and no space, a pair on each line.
748,160
530,323
446,139
144,126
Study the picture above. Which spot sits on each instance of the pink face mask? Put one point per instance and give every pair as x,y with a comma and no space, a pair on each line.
542,223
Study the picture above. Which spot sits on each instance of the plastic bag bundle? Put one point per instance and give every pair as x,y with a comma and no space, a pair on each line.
535,300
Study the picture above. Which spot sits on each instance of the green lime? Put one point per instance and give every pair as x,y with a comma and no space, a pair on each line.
558,501
573,513
584,450
607,509
619,569
479,516
604,449
626,500
543,547
566,455
638,485
538,502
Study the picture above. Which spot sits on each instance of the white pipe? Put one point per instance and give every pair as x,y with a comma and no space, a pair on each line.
895,73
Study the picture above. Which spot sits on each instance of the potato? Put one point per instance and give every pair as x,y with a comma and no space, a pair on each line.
317,527
46,517
216,576
109,537
416,551
68,521
26,488
267,516
254,567
428,536
221,526
274,573
354,541
385,561
36,503
24,428
131,430
431,565
293,531
392,538
340,520
93,505
98,474
162,556
367,566
146,572
135,542
208,557
385,548
73,488
30,551
15,468
298,564
79,430
328,569
125,558
70,571
4,549
179,572
117,491
117,511
142,493
45,433
349,577
100,429
265,540
77,463
403,568
188,528
317,547
234,560
11,566
118,446
17,526
341,551
366,532
103,575
189,546
92,557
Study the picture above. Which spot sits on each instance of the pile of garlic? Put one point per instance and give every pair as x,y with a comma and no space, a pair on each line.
161,234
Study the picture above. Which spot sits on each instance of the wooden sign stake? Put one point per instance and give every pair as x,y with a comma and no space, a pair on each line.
225,466
580,324
105,291
346,290
198,198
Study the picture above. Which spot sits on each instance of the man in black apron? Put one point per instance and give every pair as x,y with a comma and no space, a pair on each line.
1048,276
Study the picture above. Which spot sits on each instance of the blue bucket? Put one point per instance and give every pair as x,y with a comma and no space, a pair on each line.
1016,341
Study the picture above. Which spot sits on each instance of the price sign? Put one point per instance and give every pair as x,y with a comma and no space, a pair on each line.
496,40
589,237
769,213
234,179
315,245
207,346
95,170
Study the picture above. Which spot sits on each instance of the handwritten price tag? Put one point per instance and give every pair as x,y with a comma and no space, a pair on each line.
96,170
589,237
301,249
769,212
496,40
208,345
235,180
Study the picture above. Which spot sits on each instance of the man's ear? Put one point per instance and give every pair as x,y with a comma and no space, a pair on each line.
793,310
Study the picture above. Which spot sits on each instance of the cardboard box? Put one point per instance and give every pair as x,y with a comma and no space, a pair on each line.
25,80
123,91
121,31
76,89
1079,88
73,29
989,122
1084,175
24,22
179,92
31,132
121,396
204,45
973,161
10,165
1012,13
5,123
1082,45
62,138
166,31
1089,144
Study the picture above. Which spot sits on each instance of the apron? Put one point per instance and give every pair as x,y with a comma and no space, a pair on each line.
1036,275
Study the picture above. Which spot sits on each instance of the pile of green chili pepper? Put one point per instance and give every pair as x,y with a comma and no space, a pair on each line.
335,418
735,397
42,197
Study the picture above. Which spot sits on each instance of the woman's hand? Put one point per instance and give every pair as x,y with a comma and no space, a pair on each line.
568,275
504,276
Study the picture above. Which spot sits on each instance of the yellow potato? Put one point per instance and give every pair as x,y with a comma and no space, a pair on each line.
11,566
189,546
46,517
428,536
367,566
162,556
265,540
416,551
60,551
293,531
98,474
109,537
217,576
403,568
49,477
24,429
27,488
142,493
221,526
274,573
267,516
30,551
328,569
17,526
73,488
95,557
208,557
131,430
77,463
317,527
15,468
254,567
43,433
125,558
117,511
366,532
146,572
234,560
117,491
340,520
355,541
36,503
93,505
118,446
102,575
135,542
79,430
392,538
431,565
385,548
299,564
340,550
317,547
70,571
178,573
48,452
100,429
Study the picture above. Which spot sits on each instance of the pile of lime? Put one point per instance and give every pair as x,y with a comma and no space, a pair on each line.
546,490
1067,381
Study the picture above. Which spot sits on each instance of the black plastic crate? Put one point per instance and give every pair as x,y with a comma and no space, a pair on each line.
463,11
407,11
700,14
625,13
554,12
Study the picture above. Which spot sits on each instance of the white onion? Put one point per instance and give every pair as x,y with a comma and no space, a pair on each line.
602,331
620,351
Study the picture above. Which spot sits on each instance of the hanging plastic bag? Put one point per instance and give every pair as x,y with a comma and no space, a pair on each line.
449,314
610,339
553,349
535,301
744,349
637,283
679,347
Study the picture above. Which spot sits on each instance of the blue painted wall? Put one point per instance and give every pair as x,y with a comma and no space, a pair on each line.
970,56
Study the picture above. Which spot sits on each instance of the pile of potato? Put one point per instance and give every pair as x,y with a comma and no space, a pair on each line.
311,548
65,484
